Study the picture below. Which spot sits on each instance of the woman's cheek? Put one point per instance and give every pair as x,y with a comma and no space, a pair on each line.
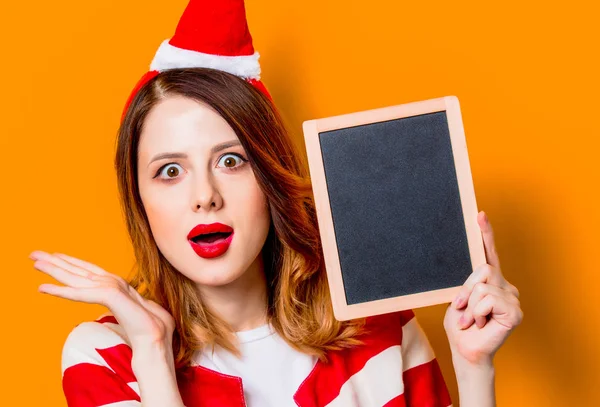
259,207
163,212
249,210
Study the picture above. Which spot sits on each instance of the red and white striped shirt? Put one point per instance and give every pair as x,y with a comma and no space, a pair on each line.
396,367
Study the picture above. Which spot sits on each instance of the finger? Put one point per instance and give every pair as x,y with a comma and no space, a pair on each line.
502,310
482,310
107,295
87,295
128,312
62,275
484,273
489,242
134,318
57,261
83,264
480,291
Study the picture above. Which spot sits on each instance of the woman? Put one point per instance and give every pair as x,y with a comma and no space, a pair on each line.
230,304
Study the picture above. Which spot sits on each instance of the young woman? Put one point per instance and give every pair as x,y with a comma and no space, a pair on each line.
230,304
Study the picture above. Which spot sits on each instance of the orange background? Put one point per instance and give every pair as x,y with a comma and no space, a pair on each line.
525,73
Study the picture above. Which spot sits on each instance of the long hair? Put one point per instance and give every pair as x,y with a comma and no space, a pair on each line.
299,305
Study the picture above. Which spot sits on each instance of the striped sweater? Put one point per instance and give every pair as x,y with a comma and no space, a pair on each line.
396,367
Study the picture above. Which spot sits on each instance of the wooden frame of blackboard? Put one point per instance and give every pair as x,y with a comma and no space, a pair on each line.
450,105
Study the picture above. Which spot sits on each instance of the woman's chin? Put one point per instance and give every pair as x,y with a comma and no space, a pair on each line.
213,276
214,272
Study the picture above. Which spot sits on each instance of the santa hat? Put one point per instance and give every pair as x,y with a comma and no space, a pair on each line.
210,34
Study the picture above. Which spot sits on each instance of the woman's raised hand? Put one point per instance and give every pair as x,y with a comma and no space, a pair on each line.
145,322
486,310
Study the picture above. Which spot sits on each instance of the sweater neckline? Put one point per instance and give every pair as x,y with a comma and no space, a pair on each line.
255,334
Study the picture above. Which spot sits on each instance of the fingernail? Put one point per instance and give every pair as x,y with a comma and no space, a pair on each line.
485,218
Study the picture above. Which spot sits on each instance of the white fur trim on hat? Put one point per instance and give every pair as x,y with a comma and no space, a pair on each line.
168,57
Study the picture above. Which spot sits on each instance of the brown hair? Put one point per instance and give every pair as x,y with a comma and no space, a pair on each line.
299,305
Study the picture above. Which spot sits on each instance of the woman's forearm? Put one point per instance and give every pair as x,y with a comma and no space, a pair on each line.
476,384
154,370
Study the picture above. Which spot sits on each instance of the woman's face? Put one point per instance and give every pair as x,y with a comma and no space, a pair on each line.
192,170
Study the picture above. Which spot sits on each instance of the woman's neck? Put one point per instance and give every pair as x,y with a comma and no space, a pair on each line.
243,303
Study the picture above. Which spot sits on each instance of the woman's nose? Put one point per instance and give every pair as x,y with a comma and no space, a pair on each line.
206,195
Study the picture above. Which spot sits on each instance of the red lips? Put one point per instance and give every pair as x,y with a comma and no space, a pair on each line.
218,244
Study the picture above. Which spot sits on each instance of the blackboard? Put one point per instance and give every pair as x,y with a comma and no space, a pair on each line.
395,205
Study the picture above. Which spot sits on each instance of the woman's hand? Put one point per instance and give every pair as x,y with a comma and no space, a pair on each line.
485,311
145,323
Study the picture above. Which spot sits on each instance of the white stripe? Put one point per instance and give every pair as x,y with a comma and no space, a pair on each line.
416,349
135,386
82,342
129,403
167,57
378,382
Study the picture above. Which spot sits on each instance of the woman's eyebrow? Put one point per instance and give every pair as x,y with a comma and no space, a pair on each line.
167,155
225,145
215,149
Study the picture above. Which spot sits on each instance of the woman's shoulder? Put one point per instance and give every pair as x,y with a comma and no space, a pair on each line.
391,318
400,330
394,362
98,342
393,323
96,365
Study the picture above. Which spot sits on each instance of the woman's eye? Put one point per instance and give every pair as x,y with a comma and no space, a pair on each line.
231,161
170,171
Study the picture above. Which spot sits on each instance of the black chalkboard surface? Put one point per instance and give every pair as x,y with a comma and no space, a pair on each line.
395,205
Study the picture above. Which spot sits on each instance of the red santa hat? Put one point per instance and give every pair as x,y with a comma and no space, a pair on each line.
211,34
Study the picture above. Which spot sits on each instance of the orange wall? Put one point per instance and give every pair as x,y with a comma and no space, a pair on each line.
524,71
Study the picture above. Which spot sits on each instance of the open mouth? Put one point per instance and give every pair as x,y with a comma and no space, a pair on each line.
208,238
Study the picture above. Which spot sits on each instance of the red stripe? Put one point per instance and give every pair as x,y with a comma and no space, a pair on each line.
325,381
406,316
201,387
424,386
397,401
109,318
119,359
89,385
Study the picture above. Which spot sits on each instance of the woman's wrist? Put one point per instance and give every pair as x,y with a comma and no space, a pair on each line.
476,382
154,369
466,369
152,354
